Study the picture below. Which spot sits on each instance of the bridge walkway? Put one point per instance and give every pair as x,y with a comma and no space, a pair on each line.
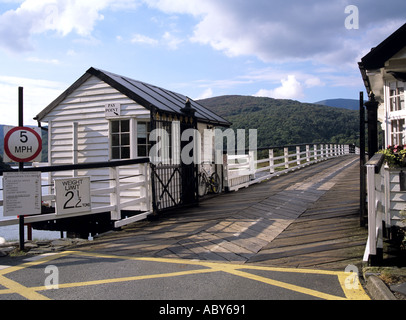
308,218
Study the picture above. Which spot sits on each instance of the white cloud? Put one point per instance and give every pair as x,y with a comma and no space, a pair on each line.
277,31
71,53
290,89
313,82
171,41
208,93
139,38
41,60
38,94
35,17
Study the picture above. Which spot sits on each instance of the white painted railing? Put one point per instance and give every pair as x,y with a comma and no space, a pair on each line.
120,191
376,206
243,170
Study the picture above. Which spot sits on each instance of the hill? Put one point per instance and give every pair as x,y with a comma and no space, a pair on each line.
350,104
281,122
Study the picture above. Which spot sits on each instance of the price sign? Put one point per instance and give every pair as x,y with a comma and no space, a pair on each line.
22,144
22,193
72,195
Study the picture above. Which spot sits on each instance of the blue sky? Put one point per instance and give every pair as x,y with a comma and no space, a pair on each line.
290,49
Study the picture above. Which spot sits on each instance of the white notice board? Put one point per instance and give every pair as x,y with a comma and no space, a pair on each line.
21,193
72,195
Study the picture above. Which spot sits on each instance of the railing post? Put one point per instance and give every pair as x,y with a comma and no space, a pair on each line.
251,159
315,152
225,172
286,154
307,153
115,196
298,155
145,189
271,161
376,201
371,209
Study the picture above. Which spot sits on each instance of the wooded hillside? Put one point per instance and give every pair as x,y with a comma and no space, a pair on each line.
281,122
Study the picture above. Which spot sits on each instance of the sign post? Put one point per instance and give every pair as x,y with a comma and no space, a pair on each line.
22,144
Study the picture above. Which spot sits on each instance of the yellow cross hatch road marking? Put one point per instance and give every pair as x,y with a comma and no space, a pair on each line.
209,267
15,287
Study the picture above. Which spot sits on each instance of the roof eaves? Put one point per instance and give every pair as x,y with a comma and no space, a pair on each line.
222,121
377,57
208,116
62,97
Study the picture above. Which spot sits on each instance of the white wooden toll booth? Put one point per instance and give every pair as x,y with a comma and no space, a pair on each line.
105,117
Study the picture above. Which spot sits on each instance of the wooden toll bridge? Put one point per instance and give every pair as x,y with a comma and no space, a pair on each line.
307,218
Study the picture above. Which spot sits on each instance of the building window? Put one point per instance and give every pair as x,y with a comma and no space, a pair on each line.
143,145
120,139
398,129
396,96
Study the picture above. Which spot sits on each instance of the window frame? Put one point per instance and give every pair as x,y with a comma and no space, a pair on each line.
119,134
396,94
133,138
147,144
398,136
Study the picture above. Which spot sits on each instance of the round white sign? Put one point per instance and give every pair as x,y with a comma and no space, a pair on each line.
22,144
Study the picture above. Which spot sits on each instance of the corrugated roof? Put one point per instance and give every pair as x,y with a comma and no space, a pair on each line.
143,93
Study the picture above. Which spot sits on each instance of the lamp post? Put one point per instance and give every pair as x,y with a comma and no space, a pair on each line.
372,113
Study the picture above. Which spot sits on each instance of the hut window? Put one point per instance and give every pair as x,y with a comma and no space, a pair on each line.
143,145
120,139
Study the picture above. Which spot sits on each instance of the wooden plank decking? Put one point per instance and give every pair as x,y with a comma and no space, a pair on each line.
307,218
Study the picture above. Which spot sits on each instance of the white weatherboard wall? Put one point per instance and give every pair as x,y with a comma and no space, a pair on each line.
86,107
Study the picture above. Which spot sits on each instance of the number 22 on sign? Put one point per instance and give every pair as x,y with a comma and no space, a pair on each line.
72,195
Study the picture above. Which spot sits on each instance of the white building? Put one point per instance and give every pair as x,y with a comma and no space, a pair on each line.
384,73
104,116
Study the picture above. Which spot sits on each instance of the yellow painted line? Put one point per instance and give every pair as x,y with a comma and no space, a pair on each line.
352,293
284,285
6,291
31,293
16,287
288,270
126,279
45,259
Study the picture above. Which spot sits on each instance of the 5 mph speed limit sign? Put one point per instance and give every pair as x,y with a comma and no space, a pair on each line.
22,144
